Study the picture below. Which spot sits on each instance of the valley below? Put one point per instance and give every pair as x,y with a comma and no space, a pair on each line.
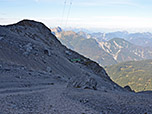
136,74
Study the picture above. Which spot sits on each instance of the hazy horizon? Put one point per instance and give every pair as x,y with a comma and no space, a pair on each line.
93,15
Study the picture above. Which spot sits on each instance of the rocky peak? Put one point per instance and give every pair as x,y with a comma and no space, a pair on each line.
57,30
33,30
30,23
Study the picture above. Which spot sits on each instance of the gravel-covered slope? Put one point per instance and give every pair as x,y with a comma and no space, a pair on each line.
32,45
38,75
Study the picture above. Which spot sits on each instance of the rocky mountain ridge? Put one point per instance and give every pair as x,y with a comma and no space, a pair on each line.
140,39
105,52
122,50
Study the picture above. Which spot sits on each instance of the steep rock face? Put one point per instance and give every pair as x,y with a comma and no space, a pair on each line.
32,45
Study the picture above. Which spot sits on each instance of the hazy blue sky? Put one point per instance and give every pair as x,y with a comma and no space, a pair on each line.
133,15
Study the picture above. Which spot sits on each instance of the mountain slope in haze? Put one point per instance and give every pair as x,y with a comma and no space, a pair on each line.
109,52
86,46
40,75
137,74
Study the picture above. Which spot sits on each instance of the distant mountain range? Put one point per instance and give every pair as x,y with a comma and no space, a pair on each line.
136,74
109,48
140,39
